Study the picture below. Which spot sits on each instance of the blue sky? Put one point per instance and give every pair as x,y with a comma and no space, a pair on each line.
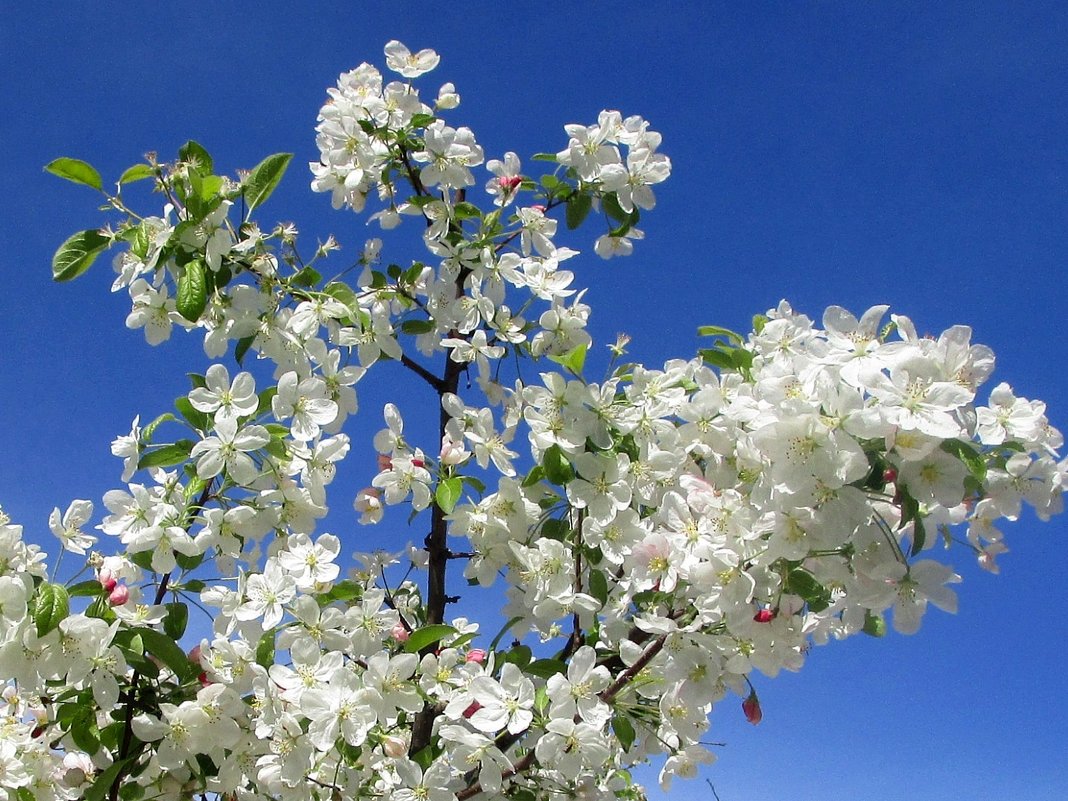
828,153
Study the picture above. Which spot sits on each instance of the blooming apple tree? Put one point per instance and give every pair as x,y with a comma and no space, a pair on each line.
655,535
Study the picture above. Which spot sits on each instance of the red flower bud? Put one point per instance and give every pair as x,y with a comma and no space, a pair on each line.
764,616
890,475
107,579
751,708
475,706
119,595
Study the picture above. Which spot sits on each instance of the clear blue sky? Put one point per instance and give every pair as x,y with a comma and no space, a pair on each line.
825,152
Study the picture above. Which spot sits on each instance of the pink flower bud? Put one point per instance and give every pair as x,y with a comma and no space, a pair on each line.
751,708
475,706
509,182
764,616
384,462
399,633
107,579
476,655
119,595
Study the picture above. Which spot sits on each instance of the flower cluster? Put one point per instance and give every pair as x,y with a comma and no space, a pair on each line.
661,534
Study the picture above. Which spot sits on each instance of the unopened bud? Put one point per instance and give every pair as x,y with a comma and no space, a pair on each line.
394,747
119,595
399,633
107,579
764,616
475,706
751,708
476,655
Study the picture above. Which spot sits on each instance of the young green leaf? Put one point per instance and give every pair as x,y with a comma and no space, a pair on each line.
448,493
138,172
194,154
557,468
578,207
75,170
427,635
264,177
76,254
175,622
167,651
167,455
545,668
192,296
52,605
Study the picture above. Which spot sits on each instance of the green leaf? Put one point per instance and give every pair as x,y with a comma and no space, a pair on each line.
911,513
612,208
417,326
557,468
167,456
90,588
137,172
265,650
201,421
167,651
624,730
874,624
307,276
544,157
84,730
448,493
195,155
578,207
52,605
544,668
76,255
803,584
426,636
421,120
346,590
192,295
75,170
264,177
176,620
476,484
968,454
466,211
574,360
503,631
518,655
599,586
717,331
555,529
100,787
150,429
536,474
242,346
717,358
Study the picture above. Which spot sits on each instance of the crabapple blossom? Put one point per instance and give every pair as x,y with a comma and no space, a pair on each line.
663,533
